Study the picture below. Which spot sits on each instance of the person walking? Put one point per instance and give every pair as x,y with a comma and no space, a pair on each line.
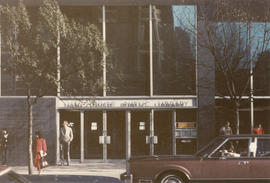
40,150
4,146
226,129
66,137
258,130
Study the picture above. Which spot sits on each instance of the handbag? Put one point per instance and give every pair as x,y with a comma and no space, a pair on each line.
43,162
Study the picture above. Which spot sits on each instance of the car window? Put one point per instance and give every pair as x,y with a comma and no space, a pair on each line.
263,147
206,150
233,148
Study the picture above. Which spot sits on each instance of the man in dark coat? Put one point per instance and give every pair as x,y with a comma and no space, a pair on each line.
4,146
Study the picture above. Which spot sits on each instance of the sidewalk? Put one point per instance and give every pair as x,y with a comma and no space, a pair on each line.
111,168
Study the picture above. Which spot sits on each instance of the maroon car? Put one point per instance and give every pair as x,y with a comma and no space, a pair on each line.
227,158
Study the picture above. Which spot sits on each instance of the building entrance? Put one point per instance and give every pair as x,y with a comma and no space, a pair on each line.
93,127
139,132
73,118
163,131
116,125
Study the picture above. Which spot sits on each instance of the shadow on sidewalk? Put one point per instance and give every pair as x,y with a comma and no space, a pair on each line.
70,179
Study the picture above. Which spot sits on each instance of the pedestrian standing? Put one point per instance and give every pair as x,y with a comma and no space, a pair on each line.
4,146
226,129
40,150
260,144
66,137
258,130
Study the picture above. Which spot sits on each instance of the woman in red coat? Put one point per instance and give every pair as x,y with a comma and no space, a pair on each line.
40,150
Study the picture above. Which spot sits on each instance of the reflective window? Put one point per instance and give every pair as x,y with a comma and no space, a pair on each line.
235,148
92,73
232,58
11,83
174,50
263,147
260,42
127,36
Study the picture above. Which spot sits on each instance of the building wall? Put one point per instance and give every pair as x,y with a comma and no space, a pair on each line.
206,95
14,117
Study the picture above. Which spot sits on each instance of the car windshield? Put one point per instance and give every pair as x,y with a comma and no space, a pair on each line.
206,150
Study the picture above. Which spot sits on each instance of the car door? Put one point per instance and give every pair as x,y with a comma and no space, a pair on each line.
227,164
260,162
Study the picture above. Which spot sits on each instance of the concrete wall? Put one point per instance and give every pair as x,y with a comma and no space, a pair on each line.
13,116
206,92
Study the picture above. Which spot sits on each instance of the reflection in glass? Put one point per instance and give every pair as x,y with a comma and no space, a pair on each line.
11,83
261,60
127,34
232,58
72,83
174,50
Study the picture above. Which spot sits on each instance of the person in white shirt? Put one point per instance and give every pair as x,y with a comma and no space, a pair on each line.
66,136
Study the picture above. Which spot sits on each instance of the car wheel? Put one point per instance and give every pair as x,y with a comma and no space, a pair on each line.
171,178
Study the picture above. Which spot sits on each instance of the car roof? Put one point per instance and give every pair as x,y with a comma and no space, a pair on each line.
247,135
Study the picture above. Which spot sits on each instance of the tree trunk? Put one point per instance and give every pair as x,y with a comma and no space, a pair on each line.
30,136
237,106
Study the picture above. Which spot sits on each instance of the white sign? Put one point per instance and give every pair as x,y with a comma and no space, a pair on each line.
93,126
142,125
127,104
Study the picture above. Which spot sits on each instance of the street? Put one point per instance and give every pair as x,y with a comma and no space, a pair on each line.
71,179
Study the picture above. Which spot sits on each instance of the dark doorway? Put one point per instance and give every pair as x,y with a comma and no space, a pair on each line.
163,130
186,146
93,127
139,131
73,118
116,130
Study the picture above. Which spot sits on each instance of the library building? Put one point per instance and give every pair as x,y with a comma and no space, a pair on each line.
171,96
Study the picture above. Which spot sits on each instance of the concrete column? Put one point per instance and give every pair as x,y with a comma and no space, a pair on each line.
128,134
173,132
206,89
57,136
151,132
105,153
82,135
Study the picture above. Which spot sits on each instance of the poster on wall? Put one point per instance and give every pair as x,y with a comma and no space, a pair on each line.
93,126
142,126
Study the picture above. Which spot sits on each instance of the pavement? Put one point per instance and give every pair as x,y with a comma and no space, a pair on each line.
111,168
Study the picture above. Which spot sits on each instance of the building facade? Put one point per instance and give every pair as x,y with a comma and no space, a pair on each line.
163,86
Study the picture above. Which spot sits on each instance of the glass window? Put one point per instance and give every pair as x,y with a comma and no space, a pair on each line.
263,147
260,41
174,50
8,82
11,83
72,83
127,36
232,60
234,148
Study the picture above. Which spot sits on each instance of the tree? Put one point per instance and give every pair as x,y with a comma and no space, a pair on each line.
230,32
34,38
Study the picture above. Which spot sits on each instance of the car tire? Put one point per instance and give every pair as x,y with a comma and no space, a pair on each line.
170,178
